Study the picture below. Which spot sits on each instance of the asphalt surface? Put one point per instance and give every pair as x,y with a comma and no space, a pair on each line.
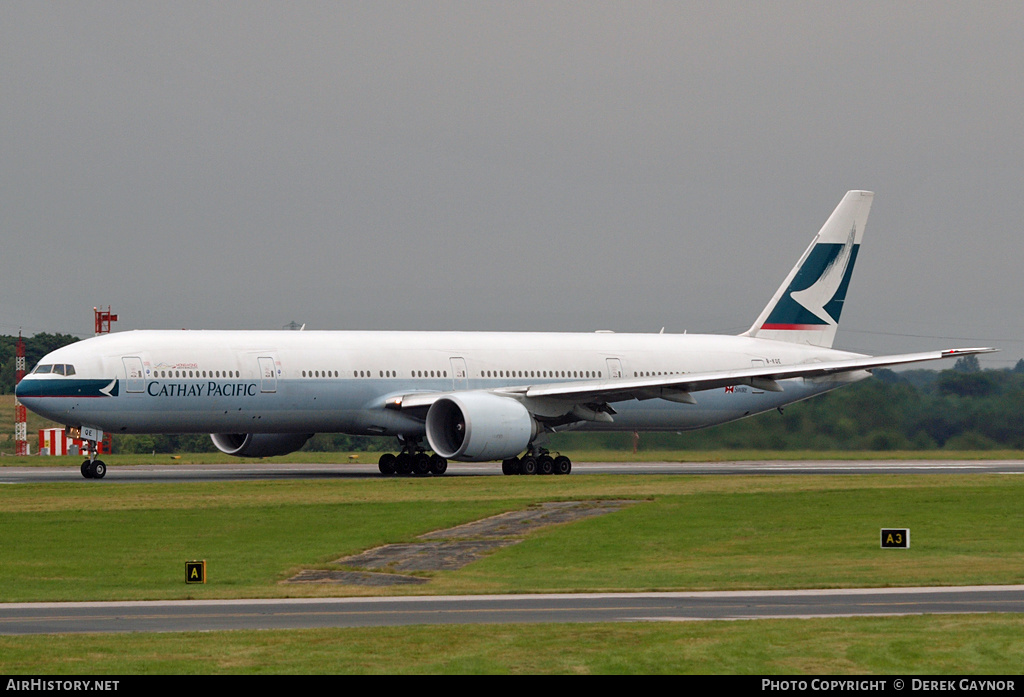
247,471
208,615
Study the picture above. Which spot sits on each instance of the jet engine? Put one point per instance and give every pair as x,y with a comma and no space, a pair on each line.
259,444
478,427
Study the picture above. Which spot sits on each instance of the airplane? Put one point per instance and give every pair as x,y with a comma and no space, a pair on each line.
472,396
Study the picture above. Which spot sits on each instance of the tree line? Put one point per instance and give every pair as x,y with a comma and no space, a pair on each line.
961,408
36,347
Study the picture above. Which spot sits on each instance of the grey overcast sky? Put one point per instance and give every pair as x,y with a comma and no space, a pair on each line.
509,165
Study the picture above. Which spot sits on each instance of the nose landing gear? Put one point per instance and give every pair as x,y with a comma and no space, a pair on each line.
93,468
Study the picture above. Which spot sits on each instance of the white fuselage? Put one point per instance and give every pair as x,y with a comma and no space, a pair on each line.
307,382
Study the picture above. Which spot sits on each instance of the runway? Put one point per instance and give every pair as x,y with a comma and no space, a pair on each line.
210,615
240,471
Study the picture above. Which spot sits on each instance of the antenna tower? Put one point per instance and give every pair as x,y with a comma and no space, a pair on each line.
20,415
103,320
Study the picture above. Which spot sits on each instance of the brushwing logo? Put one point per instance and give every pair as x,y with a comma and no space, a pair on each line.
815,297
825,288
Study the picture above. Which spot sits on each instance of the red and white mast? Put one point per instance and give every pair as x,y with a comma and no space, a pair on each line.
20,415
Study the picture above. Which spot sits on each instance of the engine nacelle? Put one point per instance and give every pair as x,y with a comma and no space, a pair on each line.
478,427
259,444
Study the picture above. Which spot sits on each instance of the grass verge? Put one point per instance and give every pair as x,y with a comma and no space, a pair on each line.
957,644
130,541
82,541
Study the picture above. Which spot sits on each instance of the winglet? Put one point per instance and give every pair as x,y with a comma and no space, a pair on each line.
953,353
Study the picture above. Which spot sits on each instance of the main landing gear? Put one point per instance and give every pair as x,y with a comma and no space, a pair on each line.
412,461
415,461
539,462
93,468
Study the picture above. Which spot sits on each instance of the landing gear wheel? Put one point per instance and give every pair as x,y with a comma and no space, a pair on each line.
545,464
87,470
403,463
510,466
563,465
528,465
421,464
99,469
386,464
438,465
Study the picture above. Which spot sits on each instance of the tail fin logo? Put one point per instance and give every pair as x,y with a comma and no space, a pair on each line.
816,294
815,298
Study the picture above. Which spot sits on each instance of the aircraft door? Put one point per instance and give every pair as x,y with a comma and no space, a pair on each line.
460,377
614,367
756,363
135,373
268,374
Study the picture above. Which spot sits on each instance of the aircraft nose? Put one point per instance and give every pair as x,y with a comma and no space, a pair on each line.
26,393
30,390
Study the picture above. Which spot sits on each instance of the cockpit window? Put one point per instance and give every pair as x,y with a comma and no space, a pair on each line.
55,368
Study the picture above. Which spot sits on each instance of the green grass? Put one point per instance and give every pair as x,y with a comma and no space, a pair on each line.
107,540
957,644
85,542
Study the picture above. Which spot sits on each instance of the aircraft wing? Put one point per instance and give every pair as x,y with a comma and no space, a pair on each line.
678,388
763,378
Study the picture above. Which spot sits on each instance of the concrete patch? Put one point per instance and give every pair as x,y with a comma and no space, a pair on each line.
454,548
520,523
427,556
355,578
